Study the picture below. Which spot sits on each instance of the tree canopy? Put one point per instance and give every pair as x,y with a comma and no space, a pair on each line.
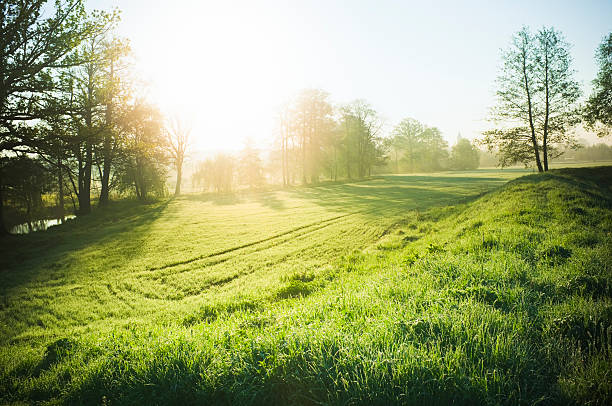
598,111
536,100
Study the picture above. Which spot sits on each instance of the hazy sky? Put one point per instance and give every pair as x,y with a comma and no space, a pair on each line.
232,63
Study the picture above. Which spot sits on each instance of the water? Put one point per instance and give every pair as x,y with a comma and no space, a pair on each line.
38,225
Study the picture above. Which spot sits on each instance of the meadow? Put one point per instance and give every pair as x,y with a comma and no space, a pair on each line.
483,287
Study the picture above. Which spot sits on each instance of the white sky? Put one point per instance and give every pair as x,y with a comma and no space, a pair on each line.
230,64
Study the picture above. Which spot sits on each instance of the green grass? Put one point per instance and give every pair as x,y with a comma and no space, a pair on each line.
400,289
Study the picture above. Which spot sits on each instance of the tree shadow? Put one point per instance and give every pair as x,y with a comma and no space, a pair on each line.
26,257
218,199
270,200
399,192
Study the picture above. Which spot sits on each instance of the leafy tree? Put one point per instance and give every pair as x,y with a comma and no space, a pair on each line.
35,39
312,122
537,97
464,155
116,90
215,173
598,111
144,155
222,173
421,148
363,145
434,149
87,90
408,134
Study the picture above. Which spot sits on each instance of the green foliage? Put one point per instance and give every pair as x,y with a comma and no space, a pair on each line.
598,111
464,156
422,149
504,299
145,157
217,173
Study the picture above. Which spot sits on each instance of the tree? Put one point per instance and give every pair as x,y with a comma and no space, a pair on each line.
408,133
363,146
312,123
464,155
221,173
144,154
250,166
537,97
83,86
115,92
598,111
178,134
31,47
434,149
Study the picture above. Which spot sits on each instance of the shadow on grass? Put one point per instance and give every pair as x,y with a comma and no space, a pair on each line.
399,192
23,257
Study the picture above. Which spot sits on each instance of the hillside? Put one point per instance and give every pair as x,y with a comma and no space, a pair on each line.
413,292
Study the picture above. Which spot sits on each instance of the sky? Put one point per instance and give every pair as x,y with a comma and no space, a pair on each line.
228,65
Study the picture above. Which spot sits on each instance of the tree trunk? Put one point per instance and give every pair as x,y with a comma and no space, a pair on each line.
396,163
534,140
304,169
85,189
179,176
105,179
283,163
60,184
106,148
85,192
546,114
3,229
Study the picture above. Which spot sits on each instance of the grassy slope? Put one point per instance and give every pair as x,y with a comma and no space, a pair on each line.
503,300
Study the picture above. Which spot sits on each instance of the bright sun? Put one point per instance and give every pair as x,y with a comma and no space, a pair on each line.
224,67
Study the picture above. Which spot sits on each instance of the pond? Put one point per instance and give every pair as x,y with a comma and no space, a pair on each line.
39,225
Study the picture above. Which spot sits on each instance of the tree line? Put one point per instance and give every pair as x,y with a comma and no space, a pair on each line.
318,140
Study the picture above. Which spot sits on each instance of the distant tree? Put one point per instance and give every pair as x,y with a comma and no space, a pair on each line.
464,155
408,133
178,139
363,145
285,131
312,122
537,97
222,173
250,166
598,111
394,145
144,155
434,149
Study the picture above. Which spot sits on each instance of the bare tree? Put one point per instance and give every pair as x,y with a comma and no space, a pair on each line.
178,134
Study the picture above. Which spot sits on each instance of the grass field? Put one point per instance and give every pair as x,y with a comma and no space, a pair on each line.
434,289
